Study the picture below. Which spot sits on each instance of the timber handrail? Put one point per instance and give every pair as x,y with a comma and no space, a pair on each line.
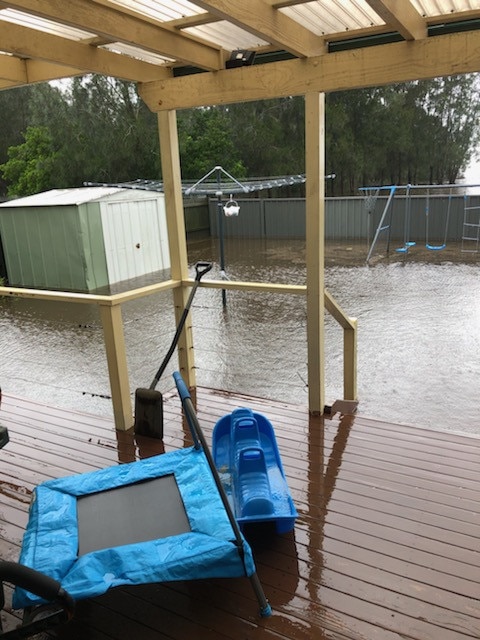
112,323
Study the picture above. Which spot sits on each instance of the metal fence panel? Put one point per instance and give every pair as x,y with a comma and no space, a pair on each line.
250,223
285,218
348,218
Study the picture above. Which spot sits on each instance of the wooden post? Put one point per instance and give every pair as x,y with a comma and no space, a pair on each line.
117,365
167,128
315,247
350,361
349,326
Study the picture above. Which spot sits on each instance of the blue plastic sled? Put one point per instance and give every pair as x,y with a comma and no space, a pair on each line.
246,455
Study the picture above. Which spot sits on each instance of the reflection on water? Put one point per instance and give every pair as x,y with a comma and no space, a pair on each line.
418,340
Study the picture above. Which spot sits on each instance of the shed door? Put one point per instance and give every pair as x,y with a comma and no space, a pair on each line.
135,236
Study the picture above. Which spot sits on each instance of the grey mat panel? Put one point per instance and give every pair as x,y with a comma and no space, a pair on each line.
134,513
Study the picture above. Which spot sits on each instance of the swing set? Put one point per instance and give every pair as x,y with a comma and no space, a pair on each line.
437,215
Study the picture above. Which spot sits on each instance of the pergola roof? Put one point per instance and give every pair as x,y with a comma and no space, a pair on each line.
178,50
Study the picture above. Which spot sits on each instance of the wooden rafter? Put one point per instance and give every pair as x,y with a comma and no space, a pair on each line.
402,17
19,71
269,24
32,44
12,70
121,27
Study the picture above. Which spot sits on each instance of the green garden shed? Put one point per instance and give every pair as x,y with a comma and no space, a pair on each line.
83,239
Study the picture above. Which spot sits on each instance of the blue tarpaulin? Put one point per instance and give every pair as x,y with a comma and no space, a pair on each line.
51,541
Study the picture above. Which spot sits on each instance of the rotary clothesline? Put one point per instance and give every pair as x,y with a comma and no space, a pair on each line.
212,181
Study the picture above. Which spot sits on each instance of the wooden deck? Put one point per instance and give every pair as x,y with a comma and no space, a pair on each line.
386,546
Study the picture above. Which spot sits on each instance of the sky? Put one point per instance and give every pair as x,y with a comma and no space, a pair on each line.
472,176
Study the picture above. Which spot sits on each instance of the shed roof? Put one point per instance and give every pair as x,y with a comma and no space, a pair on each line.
60,197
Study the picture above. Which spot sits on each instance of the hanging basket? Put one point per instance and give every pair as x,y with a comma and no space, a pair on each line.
231,208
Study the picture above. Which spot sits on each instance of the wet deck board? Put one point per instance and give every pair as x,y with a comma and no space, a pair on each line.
386,545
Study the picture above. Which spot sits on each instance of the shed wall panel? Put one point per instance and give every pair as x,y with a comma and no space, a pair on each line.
90,220
43,247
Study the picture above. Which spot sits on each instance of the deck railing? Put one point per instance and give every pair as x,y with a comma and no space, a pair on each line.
110,310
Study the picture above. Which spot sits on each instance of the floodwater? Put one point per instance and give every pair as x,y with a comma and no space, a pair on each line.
418,337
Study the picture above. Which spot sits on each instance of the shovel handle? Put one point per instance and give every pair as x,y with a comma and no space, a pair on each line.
201,268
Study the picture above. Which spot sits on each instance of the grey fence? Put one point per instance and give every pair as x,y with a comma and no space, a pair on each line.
418,217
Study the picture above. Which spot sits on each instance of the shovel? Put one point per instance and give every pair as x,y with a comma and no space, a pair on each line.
149,402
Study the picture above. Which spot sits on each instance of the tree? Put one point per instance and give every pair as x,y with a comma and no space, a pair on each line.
453,105
100,131
111,135
417,132
205,141
14,112
30,165
269,135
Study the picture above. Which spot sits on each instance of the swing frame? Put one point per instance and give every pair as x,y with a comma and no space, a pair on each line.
384,225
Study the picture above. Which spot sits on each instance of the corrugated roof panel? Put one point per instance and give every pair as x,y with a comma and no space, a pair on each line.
135,52
161,10
430,8
324,17
47,26
226,35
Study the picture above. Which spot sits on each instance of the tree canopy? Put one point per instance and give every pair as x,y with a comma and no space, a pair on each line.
97,129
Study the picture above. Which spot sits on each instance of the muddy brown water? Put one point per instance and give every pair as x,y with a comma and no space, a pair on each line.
418,335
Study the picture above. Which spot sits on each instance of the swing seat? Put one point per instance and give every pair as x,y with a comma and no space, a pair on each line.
433,247
405,247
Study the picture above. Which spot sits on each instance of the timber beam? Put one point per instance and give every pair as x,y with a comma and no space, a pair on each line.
33,44
404,61
116,26
15,72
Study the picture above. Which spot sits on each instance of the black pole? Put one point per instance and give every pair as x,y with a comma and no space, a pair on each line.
220,235
194,424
